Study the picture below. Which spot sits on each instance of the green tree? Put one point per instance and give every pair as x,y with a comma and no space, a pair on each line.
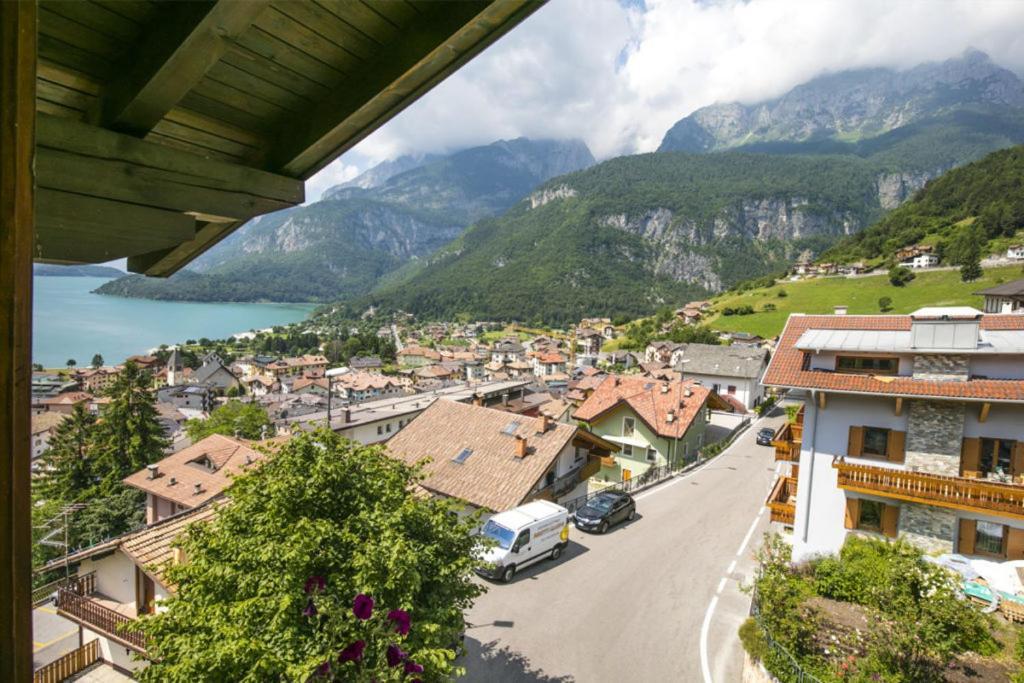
246,420
900,275
268,589
71,362
97,361
885,304
68,465
130,436
970,267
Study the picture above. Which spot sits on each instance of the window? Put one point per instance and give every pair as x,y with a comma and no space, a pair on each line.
867,365
717,388
731,389
870,515
627,450
876,442
989,539
387,427
524,539
652,455
996,454
380,429
549,479
628,426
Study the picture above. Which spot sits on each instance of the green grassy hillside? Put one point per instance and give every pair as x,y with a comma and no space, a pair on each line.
820,295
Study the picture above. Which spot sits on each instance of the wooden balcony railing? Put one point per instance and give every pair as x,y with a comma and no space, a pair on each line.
68,665
592,467
607,461
787,442
782,500
96,617
933,489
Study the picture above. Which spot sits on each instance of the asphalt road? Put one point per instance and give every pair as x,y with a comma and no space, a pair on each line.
52,635
631,605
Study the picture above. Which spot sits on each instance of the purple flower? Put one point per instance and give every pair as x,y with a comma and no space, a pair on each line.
362,607
394,655
401,619
413,668
310,610
314,584
324,669
353,653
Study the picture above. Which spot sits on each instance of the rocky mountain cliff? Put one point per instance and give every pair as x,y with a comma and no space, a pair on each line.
362,231
851,105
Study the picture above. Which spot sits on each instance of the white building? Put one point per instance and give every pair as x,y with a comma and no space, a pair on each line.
1016,252
732,372
913,427
923,260
1004,298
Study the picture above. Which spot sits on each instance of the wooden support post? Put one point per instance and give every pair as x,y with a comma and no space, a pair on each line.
983,415
821,400
17,202
899,406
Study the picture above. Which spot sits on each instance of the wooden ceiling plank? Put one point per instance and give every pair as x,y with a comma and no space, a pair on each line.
260,67
86,140
54,92
307,41
187,117
240,99
331,27
226,113
55,109
96,17
205,139
69,78
172,58
449,37
363,19
280,52
138,11
75,34
398,12
192,148
269,92
62,55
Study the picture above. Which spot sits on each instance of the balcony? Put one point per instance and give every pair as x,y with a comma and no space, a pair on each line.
592,467
933,489
789,439
93,615
782,501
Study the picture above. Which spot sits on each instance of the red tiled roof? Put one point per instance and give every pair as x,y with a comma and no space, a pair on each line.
647,400
786,366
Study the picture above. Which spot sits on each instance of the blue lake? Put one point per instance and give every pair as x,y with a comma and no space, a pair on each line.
69,321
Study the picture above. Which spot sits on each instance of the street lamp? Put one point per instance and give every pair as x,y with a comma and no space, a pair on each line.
330,375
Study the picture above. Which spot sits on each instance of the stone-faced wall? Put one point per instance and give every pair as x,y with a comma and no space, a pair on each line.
935,430
928,527
942,367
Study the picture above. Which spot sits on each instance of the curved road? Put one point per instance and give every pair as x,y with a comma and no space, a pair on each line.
630,605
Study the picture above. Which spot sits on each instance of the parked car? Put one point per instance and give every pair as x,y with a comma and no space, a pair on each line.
522,536
765,436
604,510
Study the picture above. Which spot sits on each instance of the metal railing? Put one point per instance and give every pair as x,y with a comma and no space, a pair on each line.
95,616
780,663
932,489
69,664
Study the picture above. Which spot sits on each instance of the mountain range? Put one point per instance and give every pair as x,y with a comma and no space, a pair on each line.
735,191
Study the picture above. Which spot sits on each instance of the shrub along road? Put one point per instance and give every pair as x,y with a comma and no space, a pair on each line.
630,605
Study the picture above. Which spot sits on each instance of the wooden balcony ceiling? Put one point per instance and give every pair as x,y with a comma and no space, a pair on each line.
164,126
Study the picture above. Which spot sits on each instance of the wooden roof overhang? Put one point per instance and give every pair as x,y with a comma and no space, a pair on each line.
164,126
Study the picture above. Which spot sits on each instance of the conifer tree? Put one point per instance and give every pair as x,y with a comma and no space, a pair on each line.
130,436
68,466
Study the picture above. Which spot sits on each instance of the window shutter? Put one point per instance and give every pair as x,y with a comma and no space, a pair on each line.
970,458
1017,463
1014,543
897,441
890,520
856,443
852,513
968,531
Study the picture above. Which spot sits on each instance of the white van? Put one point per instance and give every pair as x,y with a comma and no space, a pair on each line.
523,536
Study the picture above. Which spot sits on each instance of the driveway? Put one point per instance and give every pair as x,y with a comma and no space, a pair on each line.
52,635
637,603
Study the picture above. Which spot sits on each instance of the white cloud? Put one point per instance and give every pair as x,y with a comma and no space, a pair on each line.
619,75
339,172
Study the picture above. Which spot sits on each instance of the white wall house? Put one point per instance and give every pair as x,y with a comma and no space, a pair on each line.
1016,252
733,372
931,403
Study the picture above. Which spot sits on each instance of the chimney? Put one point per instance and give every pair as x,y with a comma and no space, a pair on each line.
520,447
544,424
154,471
172,482
664,388
504,399
840,310
348,415
197,489
671,416
615,380
687,392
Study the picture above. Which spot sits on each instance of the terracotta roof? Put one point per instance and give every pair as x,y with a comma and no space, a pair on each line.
226,456
420,351
646,398
303,382
152,548
68,398
361,381
786,366
550,358
44,422
491,476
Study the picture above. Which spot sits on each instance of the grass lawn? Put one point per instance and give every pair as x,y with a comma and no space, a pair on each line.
820,295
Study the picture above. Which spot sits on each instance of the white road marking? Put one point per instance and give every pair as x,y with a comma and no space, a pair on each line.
721,585
732,567
750,532
705,666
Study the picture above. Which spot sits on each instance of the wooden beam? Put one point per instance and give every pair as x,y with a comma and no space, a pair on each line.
441,39
18,55
899,406
74,228
821,400
166,262
169,60
983,415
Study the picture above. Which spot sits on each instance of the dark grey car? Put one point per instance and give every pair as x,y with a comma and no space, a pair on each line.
604,510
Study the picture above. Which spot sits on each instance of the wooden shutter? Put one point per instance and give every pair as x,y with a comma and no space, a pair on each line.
968,531
890,520
856,444
1017,462
852,513
1014,543
896,446
970,458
